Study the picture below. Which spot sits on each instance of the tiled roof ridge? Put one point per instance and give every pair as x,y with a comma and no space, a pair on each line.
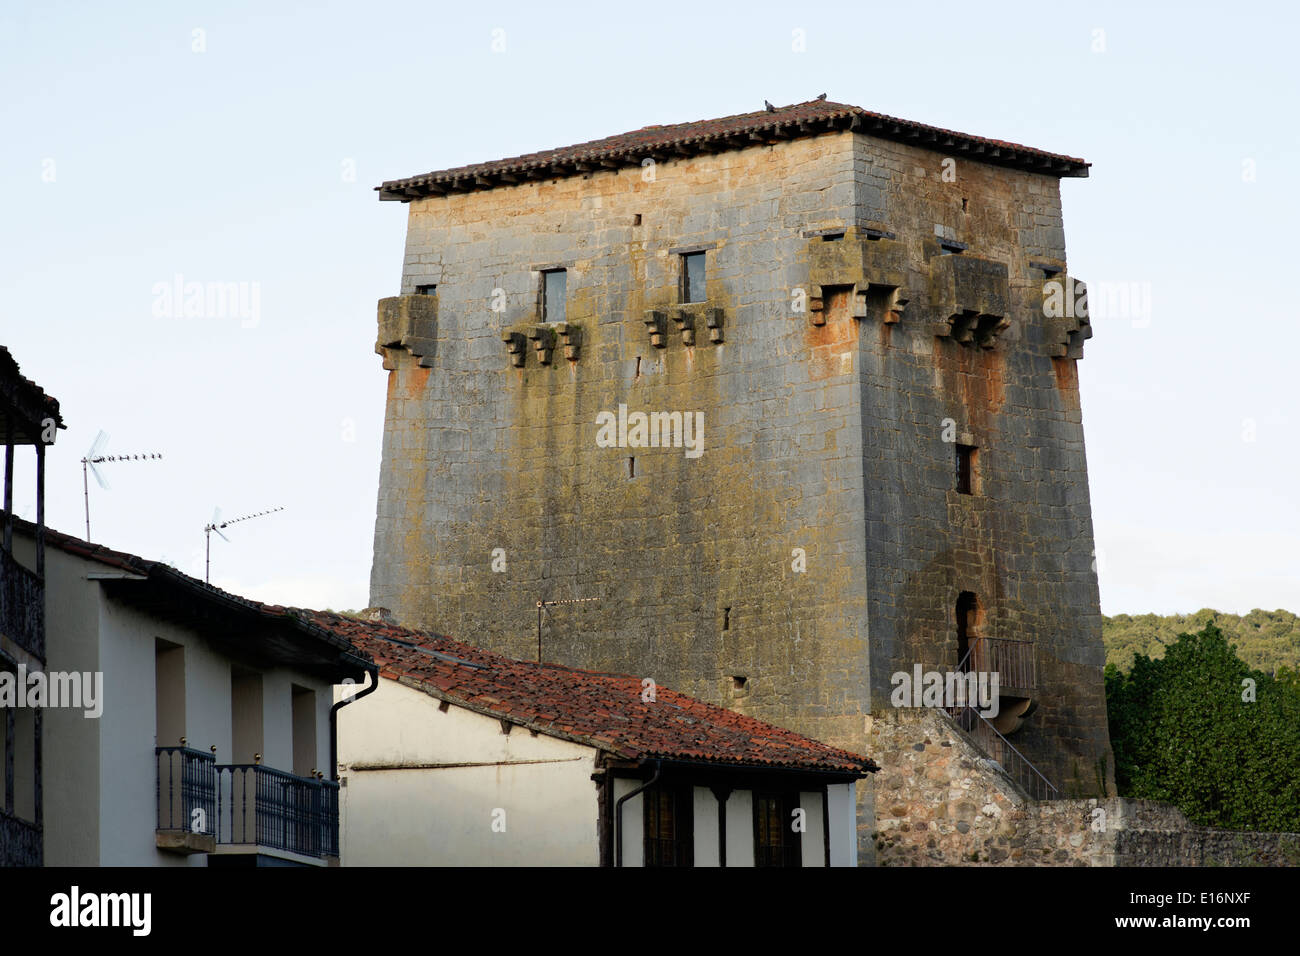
810,118
599,709
146,567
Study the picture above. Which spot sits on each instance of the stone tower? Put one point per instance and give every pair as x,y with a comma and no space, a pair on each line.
792,394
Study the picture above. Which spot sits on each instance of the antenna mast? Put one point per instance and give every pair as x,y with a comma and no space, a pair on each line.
541,605
95,456
216,524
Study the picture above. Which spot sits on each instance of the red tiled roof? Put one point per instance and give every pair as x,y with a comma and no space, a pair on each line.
602,710
719,135
194,589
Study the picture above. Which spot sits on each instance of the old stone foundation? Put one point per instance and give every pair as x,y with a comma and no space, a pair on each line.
939,801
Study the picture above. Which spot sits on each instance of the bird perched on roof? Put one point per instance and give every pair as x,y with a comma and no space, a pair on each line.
769,107
822,97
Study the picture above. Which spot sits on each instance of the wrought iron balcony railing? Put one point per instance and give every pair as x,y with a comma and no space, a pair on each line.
203,805
22,605
1012,661
187,792
264,807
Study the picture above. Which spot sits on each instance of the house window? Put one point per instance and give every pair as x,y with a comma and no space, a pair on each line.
245,715
304,731
553,295
693,277
169,693
966,469
669,827
430,289
776,842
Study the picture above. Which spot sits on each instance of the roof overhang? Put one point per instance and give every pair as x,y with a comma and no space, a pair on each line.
729,133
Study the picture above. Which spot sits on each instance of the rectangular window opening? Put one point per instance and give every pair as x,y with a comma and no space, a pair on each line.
966,469
304,731
554,294
430,289
669,826
693,277
776,842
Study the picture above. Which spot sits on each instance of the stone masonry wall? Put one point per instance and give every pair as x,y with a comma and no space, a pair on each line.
691,559
816,546
1023,544
937,801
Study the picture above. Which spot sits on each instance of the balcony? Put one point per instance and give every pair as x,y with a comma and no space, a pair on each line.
408,323
22,606
187,800
1016,666
971,297
204,807
20,841
260,808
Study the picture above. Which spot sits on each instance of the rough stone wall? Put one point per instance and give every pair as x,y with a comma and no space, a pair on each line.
820,437
937,801
1023,544
480,455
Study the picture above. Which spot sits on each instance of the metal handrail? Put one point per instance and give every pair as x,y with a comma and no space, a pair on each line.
22,605
1001,751
273,808
191,785
1012,660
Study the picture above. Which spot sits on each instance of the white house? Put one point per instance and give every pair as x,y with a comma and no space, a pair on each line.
463,757
202,729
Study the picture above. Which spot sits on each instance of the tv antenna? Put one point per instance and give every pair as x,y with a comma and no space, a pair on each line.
95,456
542,606
216,524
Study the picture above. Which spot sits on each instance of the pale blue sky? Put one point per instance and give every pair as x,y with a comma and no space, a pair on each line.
230,165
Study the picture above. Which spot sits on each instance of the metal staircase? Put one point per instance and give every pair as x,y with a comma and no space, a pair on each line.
1015,665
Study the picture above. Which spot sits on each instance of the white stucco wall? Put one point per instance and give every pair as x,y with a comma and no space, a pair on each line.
706,828
422,785
740,828
71,820
100,775
812,842
841,799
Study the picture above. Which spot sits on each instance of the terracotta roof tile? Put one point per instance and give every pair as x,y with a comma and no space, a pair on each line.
602,710
812,118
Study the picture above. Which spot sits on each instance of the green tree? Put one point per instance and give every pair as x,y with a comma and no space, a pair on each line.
1186,730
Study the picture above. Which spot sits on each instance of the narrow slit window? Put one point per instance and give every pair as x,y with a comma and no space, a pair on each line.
693,277
554,293
430,289
966,469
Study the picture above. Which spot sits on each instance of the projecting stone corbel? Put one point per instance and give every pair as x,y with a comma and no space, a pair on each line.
516,347
543,339
409,323
1066,325
971,296
657,323
713,322
685,325
870,263
570,338
973,328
